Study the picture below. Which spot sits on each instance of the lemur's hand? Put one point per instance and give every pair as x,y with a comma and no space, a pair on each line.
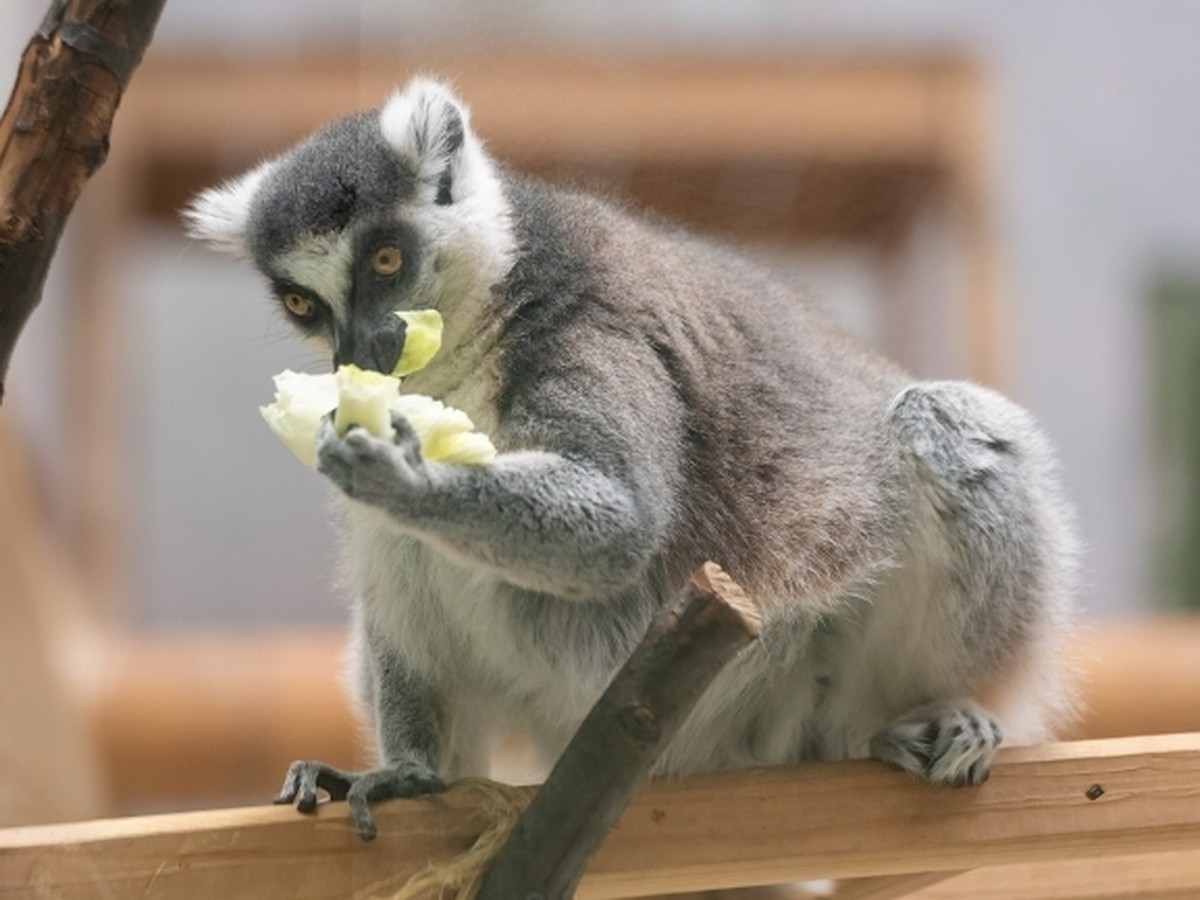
370,469
541,520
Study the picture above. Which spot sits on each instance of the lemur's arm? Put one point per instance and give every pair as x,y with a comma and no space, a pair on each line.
581,511
540,520
582,519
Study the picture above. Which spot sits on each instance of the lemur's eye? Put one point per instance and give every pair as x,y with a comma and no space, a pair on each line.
387,260
299,306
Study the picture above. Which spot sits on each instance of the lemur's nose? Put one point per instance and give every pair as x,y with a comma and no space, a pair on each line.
375,346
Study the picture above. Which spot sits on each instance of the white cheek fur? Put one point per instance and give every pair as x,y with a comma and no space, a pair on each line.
219,215
322,264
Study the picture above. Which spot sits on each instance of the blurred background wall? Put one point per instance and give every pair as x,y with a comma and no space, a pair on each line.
1095,188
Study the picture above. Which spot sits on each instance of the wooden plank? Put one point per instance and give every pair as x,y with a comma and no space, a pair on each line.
857,819
729,829
1143,876
677,109
890,887
1140,676
189,720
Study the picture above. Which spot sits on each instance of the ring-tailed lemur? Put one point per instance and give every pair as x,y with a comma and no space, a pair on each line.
657,402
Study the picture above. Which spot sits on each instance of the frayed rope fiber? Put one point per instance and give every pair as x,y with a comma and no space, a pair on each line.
461,877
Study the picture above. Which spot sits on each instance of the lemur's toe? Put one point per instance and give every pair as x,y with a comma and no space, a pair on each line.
391,782
303,780
944,743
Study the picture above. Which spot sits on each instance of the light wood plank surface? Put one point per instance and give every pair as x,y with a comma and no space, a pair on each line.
1144,876
847,819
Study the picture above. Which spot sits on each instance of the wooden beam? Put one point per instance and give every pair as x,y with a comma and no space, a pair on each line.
835,107
1144,876
191,720
890,887
728,829
1140,676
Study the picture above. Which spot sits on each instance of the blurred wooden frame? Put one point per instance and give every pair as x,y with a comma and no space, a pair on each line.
813,149
820,149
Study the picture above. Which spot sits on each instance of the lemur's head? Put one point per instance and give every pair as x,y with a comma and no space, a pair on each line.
387,210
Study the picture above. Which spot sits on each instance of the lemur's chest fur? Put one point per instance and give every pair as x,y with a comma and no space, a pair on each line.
461,626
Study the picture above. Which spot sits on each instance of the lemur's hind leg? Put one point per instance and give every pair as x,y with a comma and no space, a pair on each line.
993,548
948,743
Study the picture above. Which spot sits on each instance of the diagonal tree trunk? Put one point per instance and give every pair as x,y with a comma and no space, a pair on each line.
621,738
54,135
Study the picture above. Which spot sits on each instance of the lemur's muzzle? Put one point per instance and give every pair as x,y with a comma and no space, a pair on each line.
376,345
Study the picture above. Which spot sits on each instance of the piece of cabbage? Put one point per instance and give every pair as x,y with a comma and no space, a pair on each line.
422,340
368,398
364,398
300,402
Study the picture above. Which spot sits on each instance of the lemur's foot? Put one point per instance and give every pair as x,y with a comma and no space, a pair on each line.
358,789
945,743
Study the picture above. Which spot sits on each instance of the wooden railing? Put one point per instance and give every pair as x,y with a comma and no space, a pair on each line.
1124,814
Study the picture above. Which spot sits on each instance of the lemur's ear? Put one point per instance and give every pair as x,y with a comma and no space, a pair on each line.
429,128
219,215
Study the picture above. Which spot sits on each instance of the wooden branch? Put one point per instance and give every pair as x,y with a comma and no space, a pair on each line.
54,134
720,830
621,738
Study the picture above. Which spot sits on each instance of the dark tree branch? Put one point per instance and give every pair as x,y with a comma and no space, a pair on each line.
621,738
54,135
